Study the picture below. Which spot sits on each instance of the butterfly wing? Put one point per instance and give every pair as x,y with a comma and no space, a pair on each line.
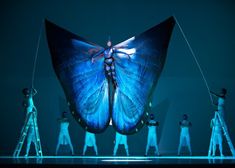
137,73
83,81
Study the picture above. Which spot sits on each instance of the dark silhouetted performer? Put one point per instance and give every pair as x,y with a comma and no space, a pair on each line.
64,137
184,134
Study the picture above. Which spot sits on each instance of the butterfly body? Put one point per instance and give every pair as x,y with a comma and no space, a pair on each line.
109,65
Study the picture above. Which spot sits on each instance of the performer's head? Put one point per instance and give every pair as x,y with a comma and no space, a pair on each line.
152,116
223,91
26,92
109,42
185,116
64,114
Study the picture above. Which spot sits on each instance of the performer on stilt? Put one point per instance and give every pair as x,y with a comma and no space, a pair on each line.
184,134
30,128
29,108
90,141
152,135
120,140
64,137
217,136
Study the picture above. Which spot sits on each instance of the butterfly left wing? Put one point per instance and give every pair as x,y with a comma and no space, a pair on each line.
138,65
83,81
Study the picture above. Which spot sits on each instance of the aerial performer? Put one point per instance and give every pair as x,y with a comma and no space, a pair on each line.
64,137
184,134
113,82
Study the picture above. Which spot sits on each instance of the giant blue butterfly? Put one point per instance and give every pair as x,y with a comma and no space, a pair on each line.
96,94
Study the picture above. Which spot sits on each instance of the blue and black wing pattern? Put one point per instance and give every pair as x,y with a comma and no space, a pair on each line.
83,81
138,65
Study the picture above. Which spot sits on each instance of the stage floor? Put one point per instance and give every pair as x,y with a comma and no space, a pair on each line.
135,161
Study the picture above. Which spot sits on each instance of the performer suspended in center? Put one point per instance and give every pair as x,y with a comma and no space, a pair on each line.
108,54
184,134
90,141
30,108
64,137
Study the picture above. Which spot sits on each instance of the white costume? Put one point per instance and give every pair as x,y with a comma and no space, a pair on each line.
152,137
31,137
90,141
120,140
221,103
64,137
184,136
217,136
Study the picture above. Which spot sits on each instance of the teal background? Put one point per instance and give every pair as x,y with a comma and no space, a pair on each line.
208,24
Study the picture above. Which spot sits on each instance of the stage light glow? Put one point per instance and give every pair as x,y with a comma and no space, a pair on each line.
126,157
126,160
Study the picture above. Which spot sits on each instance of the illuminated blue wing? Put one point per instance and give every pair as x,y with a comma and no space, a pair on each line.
138,64
83,82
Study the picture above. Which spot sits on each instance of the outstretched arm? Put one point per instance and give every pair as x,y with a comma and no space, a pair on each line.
97,56
125,52
121,52
152,124
217,95
214,94
33,92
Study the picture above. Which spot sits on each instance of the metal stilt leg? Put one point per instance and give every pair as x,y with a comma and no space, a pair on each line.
24,133
225,131
38,146
226,134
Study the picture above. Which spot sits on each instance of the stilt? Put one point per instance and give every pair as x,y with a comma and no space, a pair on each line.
24,133
226,134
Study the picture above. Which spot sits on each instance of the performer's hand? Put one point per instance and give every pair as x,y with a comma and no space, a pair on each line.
110,122
92,60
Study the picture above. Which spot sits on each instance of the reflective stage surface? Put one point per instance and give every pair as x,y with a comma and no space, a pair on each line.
107,161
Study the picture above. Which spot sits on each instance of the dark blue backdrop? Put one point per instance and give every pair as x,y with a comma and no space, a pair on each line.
208,24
